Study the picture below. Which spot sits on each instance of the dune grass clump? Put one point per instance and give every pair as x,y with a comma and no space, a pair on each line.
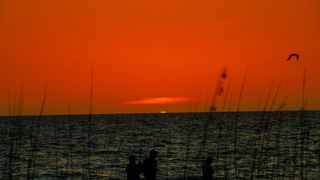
14,132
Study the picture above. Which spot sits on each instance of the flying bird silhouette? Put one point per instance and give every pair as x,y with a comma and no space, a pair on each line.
293,55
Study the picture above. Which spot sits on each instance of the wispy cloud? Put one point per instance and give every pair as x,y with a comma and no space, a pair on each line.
160,100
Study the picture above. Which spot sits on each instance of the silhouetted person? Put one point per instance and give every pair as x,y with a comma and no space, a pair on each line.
207,170
133,170
149,166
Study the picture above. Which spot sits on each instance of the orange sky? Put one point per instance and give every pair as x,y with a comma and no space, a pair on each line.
142,50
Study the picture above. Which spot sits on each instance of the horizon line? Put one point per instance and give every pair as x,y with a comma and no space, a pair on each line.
174,112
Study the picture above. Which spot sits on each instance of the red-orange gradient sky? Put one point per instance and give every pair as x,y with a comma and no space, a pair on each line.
155,55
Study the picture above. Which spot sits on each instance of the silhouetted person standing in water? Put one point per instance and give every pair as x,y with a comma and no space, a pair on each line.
133,170
207,169
149,166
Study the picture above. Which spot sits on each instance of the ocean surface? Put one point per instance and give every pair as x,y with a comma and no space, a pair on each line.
246,145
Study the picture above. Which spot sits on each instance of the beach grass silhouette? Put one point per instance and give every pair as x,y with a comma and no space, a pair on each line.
270,143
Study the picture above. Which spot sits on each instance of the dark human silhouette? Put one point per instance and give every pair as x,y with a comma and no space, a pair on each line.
293,55
207,170
149,166
133,170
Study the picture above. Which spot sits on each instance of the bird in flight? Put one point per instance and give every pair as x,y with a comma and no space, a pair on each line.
293,55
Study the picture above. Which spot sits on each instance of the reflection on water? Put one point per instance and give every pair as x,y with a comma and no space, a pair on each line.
261,145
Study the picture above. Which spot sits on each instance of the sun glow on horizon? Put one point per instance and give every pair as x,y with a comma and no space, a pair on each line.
160,100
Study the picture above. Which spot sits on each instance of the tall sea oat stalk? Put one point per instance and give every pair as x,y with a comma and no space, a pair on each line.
268,126
221,121
89,144
188,132
279,117
13,133
70,156
319,157
262,131
236,125
57,134
218,91
34,138
185,170
303,130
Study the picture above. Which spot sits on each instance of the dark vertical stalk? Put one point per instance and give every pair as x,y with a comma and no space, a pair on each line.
16,131
34,138
319,158
169,135
9,103
226,175
90,126
57,134
185,170
293,175
276,166
225,163
117,157
219,89
203,149
14,103
275,96
255,149
188,129
222,120
13,133
262,130
140,154
236,125
11,138
302,126
268,125
226,98
70,156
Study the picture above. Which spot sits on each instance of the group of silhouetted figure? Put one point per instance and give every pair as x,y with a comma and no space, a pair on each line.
149,168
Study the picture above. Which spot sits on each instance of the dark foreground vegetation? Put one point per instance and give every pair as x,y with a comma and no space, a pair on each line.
255,145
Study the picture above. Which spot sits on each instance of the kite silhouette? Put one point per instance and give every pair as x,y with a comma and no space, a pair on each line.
293,55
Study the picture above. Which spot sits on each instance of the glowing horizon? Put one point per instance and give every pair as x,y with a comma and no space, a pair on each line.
160,100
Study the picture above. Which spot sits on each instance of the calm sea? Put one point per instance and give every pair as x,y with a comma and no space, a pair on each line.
243,145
